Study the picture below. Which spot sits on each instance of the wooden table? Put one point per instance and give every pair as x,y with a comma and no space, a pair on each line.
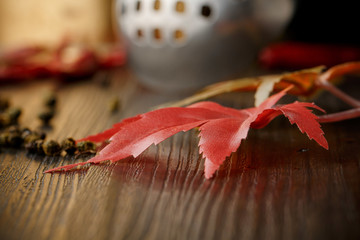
279,185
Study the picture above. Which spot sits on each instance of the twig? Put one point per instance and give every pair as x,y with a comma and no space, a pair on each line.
323,81
340,116
338,93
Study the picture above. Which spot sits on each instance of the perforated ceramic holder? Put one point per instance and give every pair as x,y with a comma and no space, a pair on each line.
184,45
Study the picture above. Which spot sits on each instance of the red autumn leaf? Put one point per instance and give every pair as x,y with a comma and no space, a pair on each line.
221,129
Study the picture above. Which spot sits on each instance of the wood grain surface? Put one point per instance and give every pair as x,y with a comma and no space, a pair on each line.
278,185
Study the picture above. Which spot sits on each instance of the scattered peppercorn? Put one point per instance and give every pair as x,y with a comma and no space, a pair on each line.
33,136
4,120
50,99
35,147
4,139
25,132
11,137
4,104
9,116
114,105
14,140
12,114
13,129
49,102
46,116
86,146
69,145
51,148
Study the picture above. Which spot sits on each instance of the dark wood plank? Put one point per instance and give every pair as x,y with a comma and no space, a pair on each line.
278,185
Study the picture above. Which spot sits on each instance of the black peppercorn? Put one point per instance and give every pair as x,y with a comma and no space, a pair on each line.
86,146
50,99
4,139
69,145
14,113
4,120
13,129
14,140
51,148
46,116
114,105
35,146
32,137
25,132
11,115
4,104
11,137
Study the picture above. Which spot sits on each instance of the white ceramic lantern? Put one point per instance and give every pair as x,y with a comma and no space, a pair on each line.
177,45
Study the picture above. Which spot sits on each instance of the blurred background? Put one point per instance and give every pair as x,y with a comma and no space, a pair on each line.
45,22
325,21
92,23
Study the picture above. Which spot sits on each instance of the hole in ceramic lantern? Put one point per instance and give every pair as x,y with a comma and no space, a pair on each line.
139,34
157,34
206,11
157,4
138,5
179,36
180,6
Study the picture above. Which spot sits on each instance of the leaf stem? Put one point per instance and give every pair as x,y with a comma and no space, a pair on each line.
340,116
323,81
338,93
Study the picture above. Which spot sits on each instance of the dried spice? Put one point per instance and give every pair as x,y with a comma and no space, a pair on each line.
114,105
25,132
4,104
69,146
4,120
4,139
13,113
50,99
11,137
51,148
46,115
14,140
49,103
86,146
35,147
33,136
10,116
